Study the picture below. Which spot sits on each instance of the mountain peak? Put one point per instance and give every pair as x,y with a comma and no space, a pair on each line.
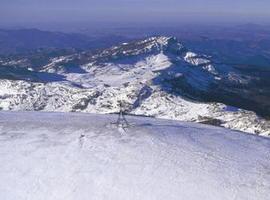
168,44
156,44
162,40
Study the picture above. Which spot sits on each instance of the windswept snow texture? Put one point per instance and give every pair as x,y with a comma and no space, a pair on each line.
53,156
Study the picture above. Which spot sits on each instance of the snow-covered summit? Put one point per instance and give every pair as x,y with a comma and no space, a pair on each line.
163,43
152,45
156,77
51,156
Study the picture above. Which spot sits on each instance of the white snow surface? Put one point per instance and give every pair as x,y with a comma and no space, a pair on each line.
68,156
197,60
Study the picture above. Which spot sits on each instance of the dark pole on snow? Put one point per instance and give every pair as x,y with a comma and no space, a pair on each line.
122,121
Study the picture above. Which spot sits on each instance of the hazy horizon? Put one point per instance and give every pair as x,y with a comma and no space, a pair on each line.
62,14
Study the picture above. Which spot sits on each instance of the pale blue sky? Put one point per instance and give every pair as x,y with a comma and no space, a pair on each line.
128,11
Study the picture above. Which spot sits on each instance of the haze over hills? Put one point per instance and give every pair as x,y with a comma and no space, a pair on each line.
157,77
26,41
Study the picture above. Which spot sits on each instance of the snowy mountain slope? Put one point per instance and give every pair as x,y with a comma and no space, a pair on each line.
84,156
155,77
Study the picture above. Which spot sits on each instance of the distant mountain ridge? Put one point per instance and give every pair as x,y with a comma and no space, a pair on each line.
156,76
22,41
